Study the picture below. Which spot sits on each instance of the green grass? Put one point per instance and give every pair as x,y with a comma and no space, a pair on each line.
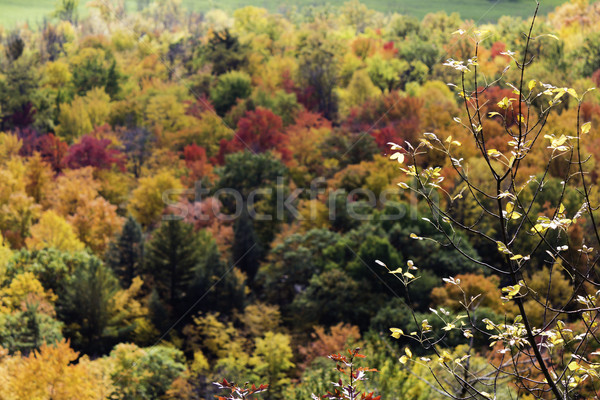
13,12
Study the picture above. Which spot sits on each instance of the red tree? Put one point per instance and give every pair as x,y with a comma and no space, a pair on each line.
196,162
52,149
260,130
94,152
393,117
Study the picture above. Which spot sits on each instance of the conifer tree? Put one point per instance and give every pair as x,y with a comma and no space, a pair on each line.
246,249
125,254
172,257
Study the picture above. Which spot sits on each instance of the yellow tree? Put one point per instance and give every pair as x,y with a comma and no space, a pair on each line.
53,231
150,198
73,189
96,223
49,373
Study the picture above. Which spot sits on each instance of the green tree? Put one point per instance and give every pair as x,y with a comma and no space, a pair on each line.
291,264
330,297
66,10
172,256
222,289
144,373
272,360
246,250
26,330
125,254
230,87
87,304
319,70
224,52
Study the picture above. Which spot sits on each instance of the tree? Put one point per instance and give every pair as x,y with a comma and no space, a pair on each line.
291,264
138,142
125,253
144,373
330,296
19,94
245,171
318,72
258,131
224,52
53,231
28,329
148,200
91,68
87,306
66,10
230,87
51,372
272,359
96,223
94,152
386,74
84,114
171,259
246,250
222,289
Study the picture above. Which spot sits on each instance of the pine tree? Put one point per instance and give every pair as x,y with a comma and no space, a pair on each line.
246,249
158,312
171,259
112,86
125,254
87,306
220,288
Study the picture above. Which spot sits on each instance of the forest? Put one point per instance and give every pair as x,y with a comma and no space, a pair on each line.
195,201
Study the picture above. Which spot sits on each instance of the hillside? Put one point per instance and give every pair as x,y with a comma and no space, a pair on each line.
34,11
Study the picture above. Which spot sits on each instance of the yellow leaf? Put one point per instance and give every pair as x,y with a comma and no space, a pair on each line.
532,84
585,128
403,359
504,103
573,366
396,332
572,92
558,96
408,352
510,207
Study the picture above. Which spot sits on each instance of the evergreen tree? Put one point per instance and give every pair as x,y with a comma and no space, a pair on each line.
87,306
171,260
157,311
246,249
225,53
220,288
112,86
125,254
28,329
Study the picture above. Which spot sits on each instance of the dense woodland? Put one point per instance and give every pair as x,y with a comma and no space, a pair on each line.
118,280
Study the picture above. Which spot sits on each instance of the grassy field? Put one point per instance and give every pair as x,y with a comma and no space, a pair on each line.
33,11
